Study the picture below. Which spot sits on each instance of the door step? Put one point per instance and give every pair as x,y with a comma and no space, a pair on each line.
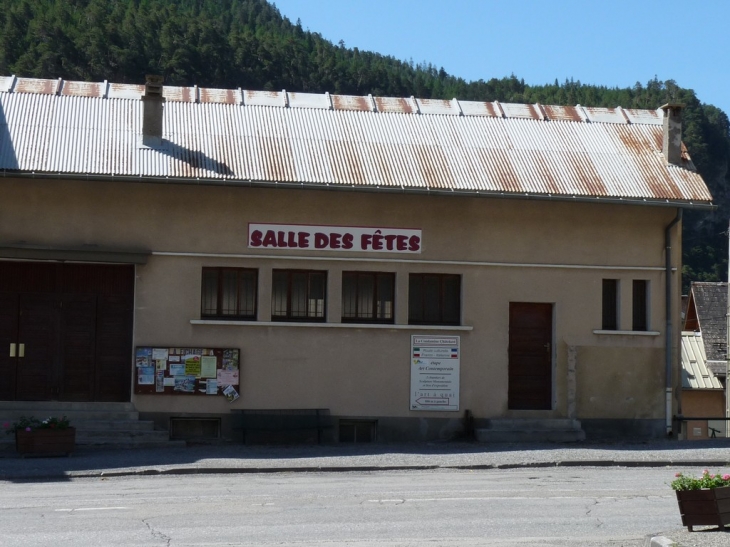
100,425
530,430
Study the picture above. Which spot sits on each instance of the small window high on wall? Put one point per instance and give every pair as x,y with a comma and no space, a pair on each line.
434,299
367,297
298,295
610,304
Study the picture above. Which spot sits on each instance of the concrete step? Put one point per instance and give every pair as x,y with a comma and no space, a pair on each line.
114,425
75,416
91,437
63,406
108,425
530,430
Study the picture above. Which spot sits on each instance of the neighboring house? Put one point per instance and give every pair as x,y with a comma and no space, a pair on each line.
704,359
400,262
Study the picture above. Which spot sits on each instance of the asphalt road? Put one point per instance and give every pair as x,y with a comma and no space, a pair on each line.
547,507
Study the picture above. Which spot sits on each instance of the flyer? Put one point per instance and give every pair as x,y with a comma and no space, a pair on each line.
228,377
159,353
146,376
186,384
192,365
230,393
177,369
208,364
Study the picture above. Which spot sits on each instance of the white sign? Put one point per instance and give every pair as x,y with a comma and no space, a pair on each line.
435,366
334,238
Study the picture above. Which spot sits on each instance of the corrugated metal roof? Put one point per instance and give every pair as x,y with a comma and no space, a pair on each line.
695,373
52,126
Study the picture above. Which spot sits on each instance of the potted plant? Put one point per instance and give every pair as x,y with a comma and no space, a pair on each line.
52,436
704,500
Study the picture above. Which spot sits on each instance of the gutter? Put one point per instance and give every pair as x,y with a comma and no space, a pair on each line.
668,308
400,189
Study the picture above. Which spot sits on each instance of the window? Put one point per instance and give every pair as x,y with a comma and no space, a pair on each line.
610,304
229,293
639,301
298,295
434,299
367,297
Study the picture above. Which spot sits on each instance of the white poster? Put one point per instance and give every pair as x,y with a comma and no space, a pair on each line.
435,366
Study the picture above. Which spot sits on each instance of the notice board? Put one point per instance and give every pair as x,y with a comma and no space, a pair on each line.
187,371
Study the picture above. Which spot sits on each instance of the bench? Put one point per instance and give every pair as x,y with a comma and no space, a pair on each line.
277,420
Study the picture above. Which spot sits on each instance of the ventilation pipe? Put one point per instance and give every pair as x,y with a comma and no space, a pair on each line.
152,111
672,140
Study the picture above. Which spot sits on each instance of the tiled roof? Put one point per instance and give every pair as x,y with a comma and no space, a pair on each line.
322,140
710,300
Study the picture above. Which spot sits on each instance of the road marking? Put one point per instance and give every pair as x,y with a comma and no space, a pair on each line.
90,509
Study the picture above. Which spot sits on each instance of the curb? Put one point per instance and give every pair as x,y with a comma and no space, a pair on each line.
131,472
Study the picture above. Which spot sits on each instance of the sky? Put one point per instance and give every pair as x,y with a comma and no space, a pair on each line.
614,43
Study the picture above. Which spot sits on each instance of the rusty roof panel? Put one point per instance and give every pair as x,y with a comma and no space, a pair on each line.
221,96
125,91
604,115
309,100
394,104
179,94
651,117
564,113
36,85
264,98
222,140
351,102
475,108
84,89
438,106
528,111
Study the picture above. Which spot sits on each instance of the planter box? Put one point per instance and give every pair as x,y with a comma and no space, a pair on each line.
46,442
704,507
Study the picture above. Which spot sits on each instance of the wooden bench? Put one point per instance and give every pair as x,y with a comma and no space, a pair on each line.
278,420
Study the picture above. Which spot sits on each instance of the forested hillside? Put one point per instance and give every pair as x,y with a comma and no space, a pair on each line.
247,43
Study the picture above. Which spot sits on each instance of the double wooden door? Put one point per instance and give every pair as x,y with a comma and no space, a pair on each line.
65,332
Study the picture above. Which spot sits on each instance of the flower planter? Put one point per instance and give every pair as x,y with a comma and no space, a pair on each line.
45,442
707,507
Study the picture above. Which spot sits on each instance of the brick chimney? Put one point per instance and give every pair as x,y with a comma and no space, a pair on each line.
672,141
152,111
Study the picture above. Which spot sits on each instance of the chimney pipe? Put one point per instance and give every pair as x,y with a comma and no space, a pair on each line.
672,141
152,111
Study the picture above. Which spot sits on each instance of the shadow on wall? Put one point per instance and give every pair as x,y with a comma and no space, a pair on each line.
8,159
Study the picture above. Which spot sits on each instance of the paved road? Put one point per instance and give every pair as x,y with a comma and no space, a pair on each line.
554,507
238,462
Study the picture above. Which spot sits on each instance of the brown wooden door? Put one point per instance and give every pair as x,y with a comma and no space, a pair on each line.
530,356
37,371
78,347
8,344
74,322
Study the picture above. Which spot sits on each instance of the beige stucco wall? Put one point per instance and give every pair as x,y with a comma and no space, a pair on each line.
505,250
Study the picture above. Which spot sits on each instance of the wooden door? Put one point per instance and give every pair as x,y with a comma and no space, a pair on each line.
78,346
530,356
37,371
8,344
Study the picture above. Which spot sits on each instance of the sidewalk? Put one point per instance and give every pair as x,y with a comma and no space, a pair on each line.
237,458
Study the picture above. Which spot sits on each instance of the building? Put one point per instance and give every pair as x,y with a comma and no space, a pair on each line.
704,361
404,263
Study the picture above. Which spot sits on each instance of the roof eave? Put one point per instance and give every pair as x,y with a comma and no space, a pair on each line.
684,204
